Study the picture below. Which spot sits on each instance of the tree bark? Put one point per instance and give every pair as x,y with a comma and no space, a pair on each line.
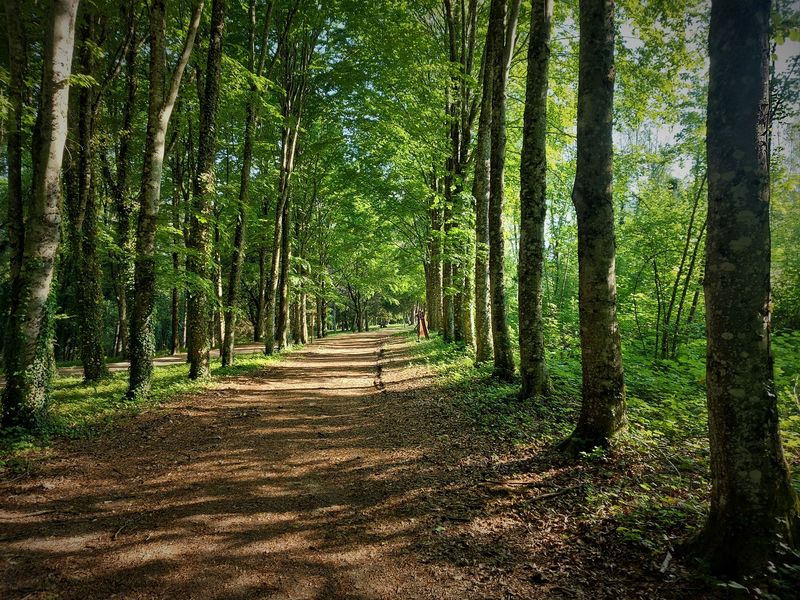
282,316
503,357
142,343
484,347
240,233
753,506
123,264
199,258
602,414
533,206
18,95
28,360
89,307
435,266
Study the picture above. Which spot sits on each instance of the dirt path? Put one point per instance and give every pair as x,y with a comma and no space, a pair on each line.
341,472
291,484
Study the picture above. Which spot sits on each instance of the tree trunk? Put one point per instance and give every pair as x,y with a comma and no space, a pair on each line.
88,276
18,93
272,277
203,190
753,506
435,266
28,360
503,357
158,115
237,256
304,328
288,145
282,316
484,347
533,204
175,321
123,265
603,396
261,295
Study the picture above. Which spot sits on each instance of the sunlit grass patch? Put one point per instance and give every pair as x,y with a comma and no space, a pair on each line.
79,410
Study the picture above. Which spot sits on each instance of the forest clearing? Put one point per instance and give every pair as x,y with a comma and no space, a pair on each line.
380,299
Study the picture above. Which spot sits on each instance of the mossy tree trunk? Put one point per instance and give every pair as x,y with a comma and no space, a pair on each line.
533,196
18,97
501,36
82,209
28,357
199,259
240,233
122,266
484,347
159,111
282,326
435,266
753,506
602,414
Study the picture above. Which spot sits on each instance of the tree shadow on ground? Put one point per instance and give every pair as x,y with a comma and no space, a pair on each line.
306,482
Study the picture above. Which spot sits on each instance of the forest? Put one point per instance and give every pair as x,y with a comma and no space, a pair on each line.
377,299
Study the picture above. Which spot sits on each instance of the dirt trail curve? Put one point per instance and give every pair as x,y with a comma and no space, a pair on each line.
306,481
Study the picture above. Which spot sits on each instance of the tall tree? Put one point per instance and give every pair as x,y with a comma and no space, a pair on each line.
500,40
28,357
18,93
603,394
533,194
296,58
159,111
202,199
484,347
753,506
119,182
255,65
81,203
460,25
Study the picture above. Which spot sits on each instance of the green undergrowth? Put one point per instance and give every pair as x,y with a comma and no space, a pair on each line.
651,490
666,399
79,410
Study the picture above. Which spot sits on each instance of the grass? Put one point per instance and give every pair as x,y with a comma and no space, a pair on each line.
666,399
653,486
78,410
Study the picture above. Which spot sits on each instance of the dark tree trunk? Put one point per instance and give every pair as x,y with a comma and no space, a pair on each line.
753,506
288,145
199,260
484,348
85,261
282,316
435,266
123,264
175,310
239,236
28,356
159,111
533,206
18,94
500,45
261,295
603,396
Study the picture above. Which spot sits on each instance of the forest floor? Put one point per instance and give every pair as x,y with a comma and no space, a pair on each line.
343,471
160,361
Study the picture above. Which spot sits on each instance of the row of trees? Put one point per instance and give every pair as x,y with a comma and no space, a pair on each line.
151,195
274,168
753,504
